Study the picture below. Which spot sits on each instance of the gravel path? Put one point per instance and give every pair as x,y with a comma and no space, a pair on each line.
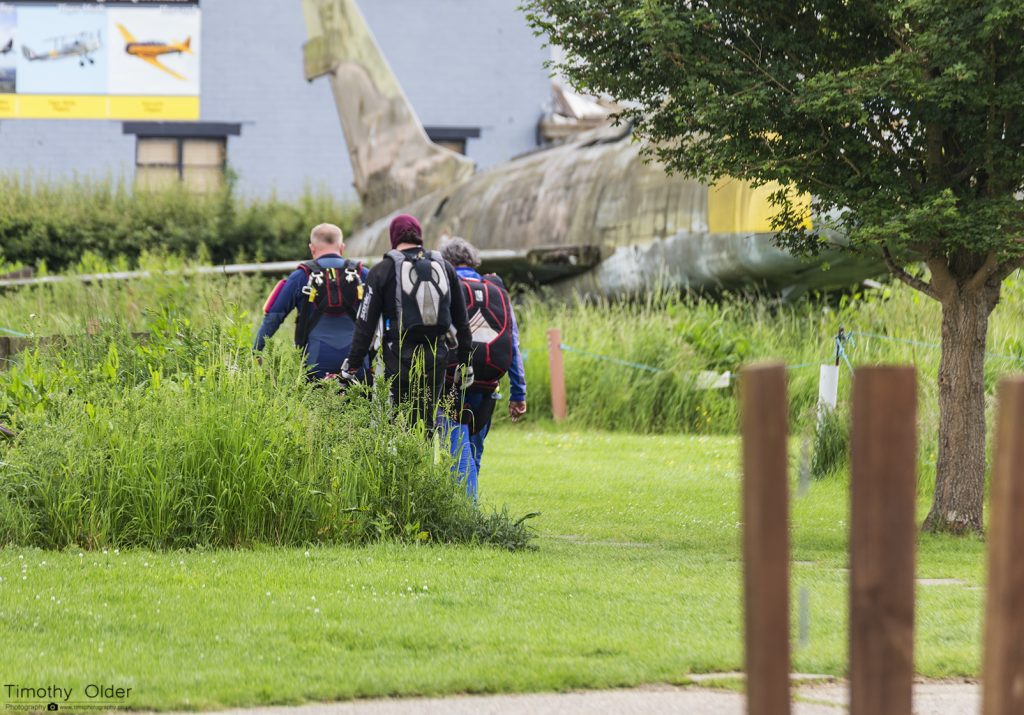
929,699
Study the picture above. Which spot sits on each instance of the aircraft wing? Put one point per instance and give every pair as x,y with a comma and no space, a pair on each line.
125,34
544,264
165,68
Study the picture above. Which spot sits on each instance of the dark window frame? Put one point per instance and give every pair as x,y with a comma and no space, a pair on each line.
181,132
452,135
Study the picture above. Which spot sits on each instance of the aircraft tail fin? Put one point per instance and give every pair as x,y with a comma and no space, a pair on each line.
29,54
186,46
393,160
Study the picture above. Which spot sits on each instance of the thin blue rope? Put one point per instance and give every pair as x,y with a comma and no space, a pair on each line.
15,333
841,352
624,363
647,368
934,346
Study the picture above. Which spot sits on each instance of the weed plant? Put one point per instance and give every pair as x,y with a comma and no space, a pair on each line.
831,444
186,440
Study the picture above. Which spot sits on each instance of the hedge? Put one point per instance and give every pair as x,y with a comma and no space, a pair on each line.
57,224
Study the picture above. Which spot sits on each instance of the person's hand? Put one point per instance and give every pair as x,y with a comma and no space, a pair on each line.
467,377
516,410
344,375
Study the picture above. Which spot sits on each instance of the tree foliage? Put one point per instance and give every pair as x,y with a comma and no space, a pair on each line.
902,118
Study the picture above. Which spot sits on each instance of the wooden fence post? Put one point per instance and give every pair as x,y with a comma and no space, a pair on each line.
764,421
1003,666
557,365
882,534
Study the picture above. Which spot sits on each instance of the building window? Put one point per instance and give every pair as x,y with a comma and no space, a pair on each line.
197,163
453,138
194,154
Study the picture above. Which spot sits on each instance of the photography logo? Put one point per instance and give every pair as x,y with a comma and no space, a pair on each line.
60,698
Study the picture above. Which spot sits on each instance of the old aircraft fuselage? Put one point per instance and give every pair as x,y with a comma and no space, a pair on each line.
590,216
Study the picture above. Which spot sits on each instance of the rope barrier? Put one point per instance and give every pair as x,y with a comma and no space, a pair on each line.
624,363
933,346
15,333
641,366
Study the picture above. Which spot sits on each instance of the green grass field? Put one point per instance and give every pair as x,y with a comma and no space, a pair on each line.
636,579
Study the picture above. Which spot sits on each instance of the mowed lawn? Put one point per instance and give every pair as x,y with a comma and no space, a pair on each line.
636,579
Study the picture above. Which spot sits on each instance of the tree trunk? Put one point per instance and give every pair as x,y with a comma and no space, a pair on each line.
960,467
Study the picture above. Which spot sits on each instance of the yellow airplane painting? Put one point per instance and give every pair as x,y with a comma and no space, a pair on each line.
150,51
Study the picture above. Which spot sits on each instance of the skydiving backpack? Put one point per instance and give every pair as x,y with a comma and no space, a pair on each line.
423,298
490,320
328,291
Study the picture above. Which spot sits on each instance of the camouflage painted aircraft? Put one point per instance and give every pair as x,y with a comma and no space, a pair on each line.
586,216
149,51
82,46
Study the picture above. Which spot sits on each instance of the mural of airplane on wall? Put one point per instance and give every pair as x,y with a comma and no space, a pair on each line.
8,47
83,46
150,51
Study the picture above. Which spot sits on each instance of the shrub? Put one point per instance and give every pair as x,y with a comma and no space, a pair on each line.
56,225
186,440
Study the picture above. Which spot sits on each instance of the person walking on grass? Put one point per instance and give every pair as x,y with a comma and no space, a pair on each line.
326,291
415,292
496,352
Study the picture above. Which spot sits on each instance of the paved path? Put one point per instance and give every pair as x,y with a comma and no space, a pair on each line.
830,699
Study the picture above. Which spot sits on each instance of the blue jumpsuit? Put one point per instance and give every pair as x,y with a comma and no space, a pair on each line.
331,337
467,448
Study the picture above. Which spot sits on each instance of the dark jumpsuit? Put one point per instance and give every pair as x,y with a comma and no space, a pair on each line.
404,354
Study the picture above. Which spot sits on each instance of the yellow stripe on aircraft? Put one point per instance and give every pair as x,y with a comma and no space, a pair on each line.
736,207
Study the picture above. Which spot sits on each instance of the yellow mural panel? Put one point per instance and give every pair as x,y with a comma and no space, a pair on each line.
57,106
155,108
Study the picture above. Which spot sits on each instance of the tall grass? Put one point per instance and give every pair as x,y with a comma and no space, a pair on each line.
684,336
679,337
187,440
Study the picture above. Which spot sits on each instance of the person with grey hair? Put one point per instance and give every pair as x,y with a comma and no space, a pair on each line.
496,352
326,292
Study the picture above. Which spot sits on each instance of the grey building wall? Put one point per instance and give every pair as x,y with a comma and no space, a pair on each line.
463,63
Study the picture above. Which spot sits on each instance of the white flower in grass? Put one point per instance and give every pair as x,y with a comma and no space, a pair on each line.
307,554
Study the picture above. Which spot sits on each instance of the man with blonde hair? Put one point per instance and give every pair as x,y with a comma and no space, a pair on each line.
326,292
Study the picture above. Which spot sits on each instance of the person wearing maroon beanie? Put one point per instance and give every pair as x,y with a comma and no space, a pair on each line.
416,293
405,229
